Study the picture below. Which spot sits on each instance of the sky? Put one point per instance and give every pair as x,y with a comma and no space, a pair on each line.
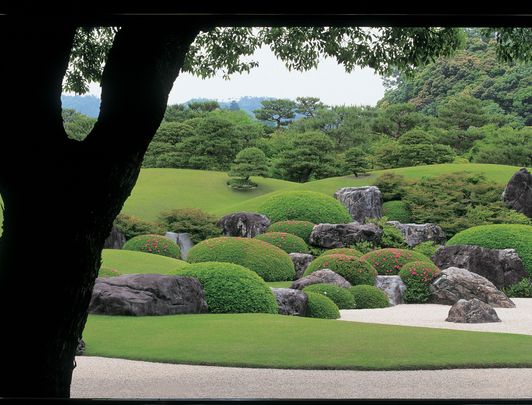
271,78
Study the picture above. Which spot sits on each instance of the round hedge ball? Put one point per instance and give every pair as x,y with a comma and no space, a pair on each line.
342,297
319,306
352,268
417,277
368,296
303,229
230,288
390,261
342,251
286,241
500,236
155,244
305,206
265,259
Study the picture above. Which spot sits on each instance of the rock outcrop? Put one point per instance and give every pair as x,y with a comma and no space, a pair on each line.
518,192
344,235
415,234
301,262
472,311
325,276
291,301
393,287
361,202
243,224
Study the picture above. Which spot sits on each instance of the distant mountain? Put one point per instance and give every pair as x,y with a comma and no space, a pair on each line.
88,105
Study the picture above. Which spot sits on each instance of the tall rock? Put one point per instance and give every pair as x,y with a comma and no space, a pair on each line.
115,240
518,192
361,202
415,234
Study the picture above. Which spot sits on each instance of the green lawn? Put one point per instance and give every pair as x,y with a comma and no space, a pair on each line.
262,340
279,284
130,262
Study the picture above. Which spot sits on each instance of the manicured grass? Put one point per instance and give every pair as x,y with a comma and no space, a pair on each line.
279,284
131,262
264,340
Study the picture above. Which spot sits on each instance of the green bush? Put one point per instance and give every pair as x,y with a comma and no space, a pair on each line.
155,244
342,297
302,229
353,269
522,289
108,272
319,306
241,184
131,226
368,296
390,261
305,206
392,237
265,259
230,288
499,236
427,248
286,241
397,211
363,247
342,251
199,224
417,277
392,186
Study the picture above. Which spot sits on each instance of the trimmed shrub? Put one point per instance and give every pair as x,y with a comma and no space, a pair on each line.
302,229
230,288
265,259
522,289
427,248
199,224
305,206
105,272
155,244
391,185
352,268
342,297
397,211
343,251
417,277
500,236
368,296
319,306
392,237
286,241
390,261
131,226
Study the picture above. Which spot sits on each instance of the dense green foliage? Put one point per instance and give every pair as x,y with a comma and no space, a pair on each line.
131,226
397,211
248,162
77,125
320,306
389,262
392,186
342,251
342,297
522,289
353,269
155,244
280,112
199,224
417,277
356,160
305,206
303,229
427,248
369,296
286,241
230,288
265,259
131,262
504,145
501,236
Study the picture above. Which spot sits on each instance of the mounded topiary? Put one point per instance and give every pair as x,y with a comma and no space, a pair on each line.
342,297
319,306
305,206
286,241
265,259
230,288
417,277
155,244
105,272
352,268
500,236
302,229
342,251
368,296
397,211
390,261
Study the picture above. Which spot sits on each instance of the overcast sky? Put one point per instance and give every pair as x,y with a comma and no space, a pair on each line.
272,79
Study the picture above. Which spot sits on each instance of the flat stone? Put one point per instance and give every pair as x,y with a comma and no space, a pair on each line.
301,262
415,234
393,287
472,311
344,235
361,202
243,224
325,276
291,301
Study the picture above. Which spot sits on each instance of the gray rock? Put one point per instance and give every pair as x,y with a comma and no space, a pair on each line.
184,241
301,262
503,267
472,311
325,276
80,349
362,202
244,224
454,284
147,294
291,301
344,235
115,240
393,287
415,234
518,192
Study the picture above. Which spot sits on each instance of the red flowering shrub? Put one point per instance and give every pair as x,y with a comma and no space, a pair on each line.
353,269
417,276
390,261
155,244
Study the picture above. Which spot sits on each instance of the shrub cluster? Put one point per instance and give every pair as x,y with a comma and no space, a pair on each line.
390,261
131,226
303,229
427,248
342,251
368,296
397,211
286,241
342,297
319,306
230,288
352,268
268,261
391,185
522,289
155,244
199,224
417,277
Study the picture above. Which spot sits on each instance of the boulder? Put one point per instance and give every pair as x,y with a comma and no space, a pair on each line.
184,241
291,301
244,224
301,262
344,235
518,192
115,240
454,284
393,287
414,234
361,202
325,276
472,311
503,267
80,349
147,294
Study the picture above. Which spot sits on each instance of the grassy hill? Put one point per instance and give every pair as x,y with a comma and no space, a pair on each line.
130,262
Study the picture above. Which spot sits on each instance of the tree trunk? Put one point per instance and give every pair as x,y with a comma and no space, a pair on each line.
61,196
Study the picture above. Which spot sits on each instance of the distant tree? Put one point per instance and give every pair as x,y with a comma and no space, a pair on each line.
416,137
308,106
77,125
462,111
280,111
172,132
179,113
234,106
356,160
204,106
248,162
395,119
505,146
